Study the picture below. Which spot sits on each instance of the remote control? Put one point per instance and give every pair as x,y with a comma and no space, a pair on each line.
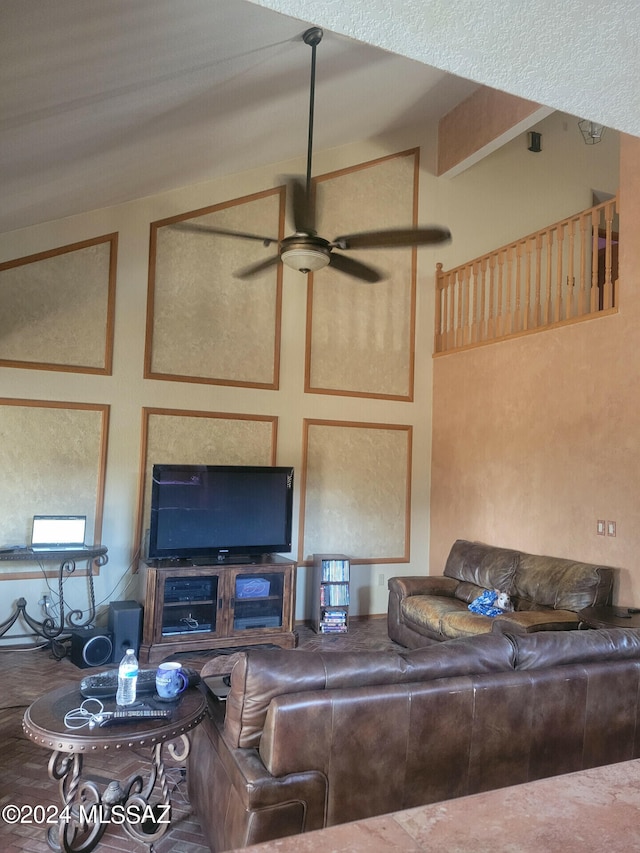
108,718
105,684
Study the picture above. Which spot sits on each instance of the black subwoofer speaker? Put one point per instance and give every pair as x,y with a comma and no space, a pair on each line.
90,647
125,624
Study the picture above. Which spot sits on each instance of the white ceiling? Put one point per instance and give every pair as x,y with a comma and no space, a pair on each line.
103,101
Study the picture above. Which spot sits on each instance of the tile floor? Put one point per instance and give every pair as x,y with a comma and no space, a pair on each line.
25,675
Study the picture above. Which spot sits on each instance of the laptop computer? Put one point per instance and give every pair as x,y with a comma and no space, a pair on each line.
58,532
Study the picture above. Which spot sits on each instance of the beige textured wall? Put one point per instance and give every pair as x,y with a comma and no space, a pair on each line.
536,438
127,391
554,183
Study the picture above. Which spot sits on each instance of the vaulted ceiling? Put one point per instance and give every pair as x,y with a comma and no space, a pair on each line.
103,101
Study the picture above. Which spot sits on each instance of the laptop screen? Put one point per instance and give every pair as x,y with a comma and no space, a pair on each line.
58,530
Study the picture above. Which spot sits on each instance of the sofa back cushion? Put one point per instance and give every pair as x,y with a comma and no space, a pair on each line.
533,582
560,584
262,674
482,565
406,744
552,648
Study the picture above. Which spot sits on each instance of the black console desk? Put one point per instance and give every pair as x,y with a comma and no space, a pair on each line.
48,628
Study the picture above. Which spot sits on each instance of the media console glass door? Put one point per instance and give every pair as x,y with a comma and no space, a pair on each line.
190,605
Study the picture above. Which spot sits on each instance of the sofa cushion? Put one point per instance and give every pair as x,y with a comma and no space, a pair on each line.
468,592
529,621
429,611
482,565
464,623
559,583
555,648
263,674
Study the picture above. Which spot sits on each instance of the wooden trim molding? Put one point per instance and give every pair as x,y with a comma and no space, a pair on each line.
356,491
45,444
203,325
57,308
198,437
360,338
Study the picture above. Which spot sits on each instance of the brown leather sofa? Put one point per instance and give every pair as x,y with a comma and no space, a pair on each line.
546,592
310,739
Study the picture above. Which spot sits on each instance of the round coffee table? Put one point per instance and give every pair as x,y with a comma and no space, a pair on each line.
86,811
610,617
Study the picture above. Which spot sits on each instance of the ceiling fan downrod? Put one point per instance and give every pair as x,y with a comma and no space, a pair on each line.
312,37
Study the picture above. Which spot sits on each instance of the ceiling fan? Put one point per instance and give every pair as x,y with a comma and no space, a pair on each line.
305,250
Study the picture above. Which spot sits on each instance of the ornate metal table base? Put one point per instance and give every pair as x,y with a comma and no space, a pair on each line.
87,813
48,629
142,804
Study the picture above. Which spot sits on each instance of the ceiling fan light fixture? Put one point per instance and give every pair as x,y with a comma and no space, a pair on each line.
305,259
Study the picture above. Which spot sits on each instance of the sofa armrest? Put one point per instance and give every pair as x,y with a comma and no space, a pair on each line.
528,621
423,585
238,802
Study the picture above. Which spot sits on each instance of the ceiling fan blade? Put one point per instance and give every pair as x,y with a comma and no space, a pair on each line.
355,268
302,208
393,238
199,228
257,269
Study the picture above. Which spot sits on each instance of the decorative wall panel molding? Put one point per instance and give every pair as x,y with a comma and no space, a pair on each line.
176,436
46,446
356,491
360,336
204,325
57,308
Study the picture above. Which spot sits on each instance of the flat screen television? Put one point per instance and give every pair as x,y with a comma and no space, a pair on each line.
220,512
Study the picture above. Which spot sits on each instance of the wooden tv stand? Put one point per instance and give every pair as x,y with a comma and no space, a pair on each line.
190,607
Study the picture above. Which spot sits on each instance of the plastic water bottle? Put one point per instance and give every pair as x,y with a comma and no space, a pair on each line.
127,679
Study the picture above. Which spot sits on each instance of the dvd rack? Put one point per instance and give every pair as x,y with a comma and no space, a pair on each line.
331,576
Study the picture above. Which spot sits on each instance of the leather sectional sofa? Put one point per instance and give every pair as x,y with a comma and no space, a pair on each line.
547,594
310,739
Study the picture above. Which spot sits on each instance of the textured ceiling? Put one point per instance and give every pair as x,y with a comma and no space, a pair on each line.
103,101
581,58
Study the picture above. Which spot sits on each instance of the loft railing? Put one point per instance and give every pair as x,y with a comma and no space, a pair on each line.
561,274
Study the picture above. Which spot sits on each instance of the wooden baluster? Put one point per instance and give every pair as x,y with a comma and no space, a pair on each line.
464,276
508,326
559,283
546,319
538,299
584,243
452,311
595,293
473,301
483,334
570,273
491,323
500,318
608,295
518,306
447,313
527,287
459,324
437,342
471,309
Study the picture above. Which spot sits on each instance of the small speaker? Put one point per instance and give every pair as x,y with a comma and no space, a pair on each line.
90,647
125,624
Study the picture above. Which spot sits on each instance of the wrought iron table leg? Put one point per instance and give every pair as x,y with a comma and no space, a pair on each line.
86,812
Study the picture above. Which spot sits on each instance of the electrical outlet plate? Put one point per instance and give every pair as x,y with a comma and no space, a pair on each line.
611,528
600,527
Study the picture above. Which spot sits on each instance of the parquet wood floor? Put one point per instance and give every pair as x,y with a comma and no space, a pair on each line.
25,675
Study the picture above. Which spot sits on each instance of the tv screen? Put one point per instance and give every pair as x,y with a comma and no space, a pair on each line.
220,511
